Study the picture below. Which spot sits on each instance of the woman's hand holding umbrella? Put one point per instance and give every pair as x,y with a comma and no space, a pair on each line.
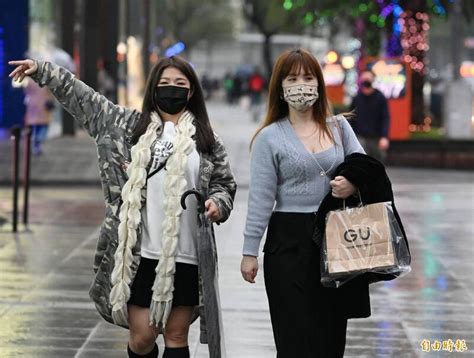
212,211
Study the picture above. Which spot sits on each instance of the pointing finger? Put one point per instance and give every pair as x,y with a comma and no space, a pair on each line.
17,62
15,71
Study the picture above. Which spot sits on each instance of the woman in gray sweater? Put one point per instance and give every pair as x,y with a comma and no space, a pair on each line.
294,155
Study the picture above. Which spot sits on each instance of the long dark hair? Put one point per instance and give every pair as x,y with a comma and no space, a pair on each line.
288,62
204,135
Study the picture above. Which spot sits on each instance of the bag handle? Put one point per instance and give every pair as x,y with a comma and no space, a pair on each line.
339,129
360,199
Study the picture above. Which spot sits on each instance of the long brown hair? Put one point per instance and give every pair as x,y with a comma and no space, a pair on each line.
204,135
292,61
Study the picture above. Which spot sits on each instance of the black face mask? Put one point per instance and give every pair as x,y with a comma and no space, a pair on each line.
366,84
171,99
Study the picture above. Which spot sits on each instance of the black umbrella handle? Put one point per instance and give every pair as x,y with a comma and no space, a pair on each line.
200,198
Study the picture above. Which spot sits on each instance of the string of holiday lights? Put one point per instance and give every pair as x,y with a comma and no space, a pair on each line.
408,37
414,39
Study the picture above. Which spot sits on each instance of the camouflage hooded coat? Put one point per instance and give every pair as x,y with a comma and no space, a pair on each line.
112,126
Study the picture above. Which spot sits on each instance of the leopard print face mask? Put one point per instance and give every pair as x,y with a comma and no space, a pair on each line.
300,97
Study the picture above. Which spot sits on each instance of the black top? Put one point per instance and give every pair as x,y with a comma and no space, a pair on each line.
372,118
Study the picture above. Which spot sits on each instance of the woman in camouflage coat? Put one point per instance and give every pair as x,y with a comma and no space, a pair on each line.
124,137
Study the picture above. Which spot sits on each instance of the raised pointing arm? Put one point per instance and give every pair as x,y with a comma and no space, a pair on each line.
94,111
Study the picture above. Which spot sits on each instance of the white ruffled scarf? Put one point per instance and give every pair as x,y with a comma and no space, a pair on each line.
130,218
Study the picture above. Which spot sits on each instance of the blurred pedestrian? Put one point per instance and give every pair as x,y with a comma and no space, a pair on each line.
294,156
256,87
228,84
236,88
40,105
371,122
146,263
438,88
206,84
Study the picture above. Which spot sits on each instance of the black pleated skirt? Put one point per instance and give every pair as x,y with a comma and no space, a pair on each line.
306,319
186,284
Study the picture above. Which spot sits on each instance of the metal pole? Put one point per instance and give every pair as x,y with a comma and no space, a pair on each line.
122,66
456,38
146,36
15,137
68,41
26,179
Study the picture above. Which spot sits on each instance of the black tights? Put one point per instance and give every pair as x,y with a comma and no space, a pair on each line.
152,354
182,352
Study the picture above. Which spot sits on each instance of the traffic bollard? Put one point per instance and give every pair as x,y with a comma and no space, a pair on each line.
15,137
26,178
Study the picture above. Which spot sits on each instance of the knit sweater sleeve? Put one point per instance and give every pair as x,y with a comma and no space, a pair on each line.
262,191
349,139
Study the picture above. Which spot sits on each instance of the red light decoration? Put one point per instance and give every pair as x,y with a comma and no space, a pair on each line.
414,39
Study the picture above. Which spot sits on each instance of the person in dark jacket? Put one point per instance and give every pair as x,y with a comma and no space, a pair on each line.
371,122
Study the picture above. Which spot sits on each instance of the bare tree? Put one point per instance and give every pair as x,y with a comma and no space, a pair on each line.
193,21
269,18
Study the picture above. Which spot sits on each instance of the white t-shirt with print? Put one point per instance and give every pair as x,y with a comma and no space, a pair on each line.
153,212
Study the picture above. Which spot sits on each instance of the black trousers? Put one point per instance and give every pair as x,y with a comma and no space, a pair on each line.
306,320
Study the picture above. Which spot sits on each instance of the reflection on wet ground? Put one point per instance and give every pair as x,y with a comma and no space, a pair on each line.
45,310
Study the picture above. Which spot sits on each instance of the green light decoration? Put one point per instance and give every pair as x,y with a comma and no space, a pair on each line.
381,22
327,14
308,18
363,7
373,18
288,5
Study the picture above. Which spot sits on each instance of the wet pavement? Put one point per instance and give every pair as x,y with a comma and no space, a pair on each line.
46,271
54,166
